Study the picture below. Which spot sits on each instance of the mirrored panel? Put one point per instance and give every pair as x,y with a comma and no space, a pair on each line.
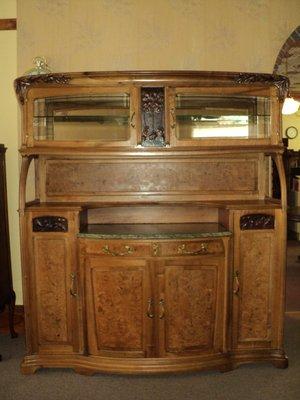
101,117
217,116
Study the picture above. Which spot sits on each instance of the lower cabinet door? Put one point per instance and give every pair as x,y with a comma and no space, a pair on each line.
53,257
119,307
191,306
257,284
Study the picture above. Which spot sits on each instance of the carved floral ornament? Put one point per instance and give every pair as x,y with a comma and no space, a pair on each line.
22,84
257,221
152,100
49,223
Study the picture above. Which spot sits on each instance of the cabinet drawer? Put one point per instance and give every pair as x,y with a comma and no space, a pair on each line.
191,248
112,248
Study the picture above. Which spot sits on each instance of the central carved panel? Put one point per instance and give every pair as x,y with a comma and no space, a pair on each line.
153,117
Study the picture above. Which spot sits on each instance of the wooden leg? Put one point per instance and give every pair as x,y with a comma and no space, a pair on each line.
29,369
11,312
226,368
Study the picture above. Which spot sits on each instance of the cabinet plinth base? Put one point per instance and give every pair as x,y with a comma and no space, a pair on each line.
89,365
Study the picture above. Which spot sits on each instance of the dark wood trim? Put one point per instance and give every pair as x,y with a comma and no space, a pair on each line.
8,24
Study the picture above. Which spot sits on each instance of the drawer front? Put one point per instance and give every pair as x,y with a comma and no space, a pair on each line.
111,248
191,248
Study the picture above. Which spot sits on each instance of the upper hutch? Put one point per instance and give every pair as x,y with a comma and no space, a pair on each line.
153,243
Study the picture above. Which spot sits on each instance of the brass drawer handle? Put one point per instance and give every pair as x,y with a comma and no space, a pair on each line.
162,308
150,313
182,250
73,290
128,250
236,283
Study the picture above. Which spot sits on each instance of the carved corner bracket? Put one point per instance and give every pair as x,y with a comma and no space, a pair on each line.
22,84
281,82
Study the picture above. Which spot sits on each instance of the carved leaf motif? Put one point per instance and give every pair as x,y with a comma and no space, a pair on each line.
49,224
257,221
22,84
281,82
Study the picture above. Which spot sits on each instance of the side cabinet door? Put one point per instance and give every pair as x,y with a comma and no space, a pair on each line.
257,282
53,276
119,306
192,306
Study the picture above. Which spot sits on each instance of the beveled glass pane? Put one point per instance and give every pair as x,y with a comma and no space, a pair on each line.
101,117
217,116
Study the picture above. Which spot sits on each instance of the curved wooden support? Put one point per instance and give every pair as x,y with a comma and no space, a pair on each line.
26,160
280,168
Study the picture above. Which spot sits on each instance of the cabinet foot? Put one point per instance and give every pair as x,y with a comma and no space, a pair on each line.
226,368
84,371
281,363
29,369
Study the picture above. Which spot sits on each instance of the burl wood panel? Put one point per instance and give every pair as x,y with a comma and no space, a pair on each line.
51,291
118,308
255,276
191,308
74,177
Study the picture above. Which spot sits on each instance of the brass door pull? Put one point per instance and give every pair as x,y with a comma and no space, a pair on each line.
128,250
73,290
161,308
132,120
150,313
182,250
236,283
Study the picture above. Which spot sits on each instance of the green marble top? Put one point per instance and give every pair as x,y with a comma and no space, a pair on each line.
153,231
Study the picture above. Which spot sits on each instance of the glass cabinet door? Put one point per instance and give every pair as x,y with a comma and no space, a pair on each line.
88,117
218,116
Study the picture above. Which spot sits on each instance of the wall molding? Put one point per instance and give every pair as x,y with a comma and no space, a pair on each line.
8,24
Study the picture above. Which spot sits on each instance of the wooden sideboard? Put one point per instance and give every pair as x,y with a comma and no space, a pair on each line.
153,243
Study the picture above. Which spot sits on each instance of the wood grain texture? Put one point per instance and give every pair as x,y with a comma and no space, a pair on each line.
190,295
118,302
74,177
116,306
50,270
255,269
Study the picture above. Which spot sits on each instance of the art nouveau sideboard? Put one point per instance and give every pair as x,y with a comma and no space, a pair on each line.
153,243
